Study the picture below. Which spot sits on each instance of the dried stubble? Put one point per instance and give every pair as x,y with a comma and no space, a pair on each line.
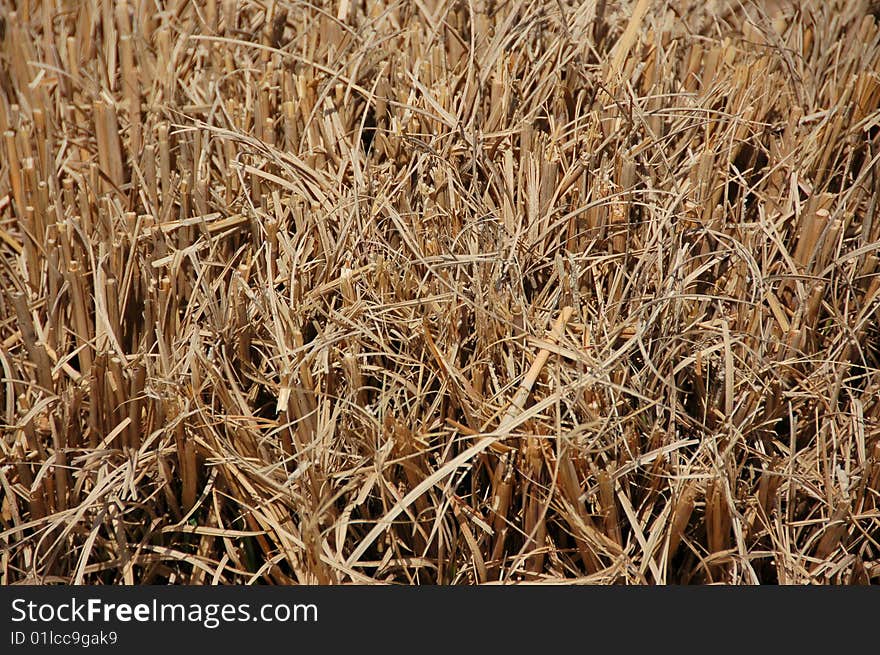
439,292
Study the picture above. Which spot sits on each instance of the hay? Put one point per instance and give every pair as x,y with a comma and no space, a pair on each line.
439,292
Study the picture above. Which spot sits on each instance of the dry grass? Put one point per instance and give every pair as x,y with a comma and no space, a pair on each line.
439,292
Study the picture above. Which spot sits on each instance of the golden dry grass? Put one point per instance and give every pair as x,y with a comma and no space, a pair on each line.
439,292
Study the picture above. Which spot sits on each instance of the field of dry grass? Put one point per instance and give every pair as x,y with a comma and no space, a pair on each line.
439,292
